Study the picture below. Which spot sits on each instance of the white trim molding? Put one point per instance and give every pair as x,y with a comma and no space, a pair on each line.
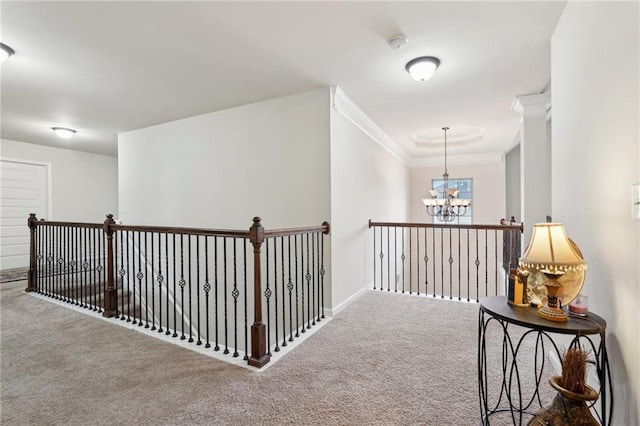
345,106
529,106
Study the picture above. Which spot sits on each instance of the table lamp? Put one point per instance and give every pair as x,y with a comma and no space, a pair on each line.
551,252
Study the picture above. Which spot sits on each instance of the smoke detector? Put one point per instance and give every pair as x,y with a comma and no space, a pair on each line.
397,41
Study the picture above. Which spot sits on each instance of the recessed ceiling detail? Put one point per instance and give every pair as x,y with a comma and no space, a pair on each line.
461,135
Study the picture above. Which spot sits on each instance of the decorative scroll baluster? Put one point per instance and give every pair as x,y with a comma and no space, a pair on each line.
182,283
426,265
302,279
235,293
410,261
477,263
160,281
459,266
308,278
450,267
284,304
313,278
267,295
395,257
290,288
388,261
207,288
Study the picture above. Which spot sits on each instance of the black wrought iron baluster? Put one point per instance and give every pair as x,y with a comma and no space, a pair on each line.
426,264
102,266
160,281
403,257
468,268
166,264
235,293
85,267
374,258
275,290
246,311
495,245
308,278
207,288
388,260
130,279
122,272
410,261
215,264
381,260
175,280
189,259
477,263
486,263
67,269
63,266
395,257
153,287
295,250
50,257
226,319
442,262
97,282
182,283
284,304
60,260
313,278
290,288
137,319
199,342
322,271
450,265
434,263
267,295
146,286
317,274
418,261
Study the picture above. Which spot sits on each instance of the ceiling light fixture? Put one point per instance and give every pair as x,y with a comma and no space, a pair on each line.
449,207
5,52
64,132
422,69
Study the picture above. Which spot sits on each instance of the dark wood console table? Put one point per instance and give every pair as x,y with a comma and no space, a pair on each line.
495,310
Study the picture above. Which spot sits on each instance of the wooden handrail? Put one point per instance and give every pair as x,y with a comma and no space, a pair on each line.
324,228
506,226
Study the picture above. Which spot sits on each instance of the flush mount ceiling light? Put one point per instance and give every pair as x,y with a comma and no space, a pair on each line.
5,52
422,68
64,132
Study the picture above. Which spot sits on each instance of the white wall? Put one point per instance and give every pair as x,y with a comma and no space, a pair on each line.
512,183
367,182
488,197
218,170
84,186
596,158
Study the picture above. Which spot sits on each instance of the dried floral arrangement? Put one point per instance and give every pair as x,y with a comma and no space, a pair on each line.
574,370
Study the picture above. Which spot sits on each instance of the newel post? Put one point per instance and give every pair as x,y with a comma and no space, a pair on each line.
110,296
259,356
32,285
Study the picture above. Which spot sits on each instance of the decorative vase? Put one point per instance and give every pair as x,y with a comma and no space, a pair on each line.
568,408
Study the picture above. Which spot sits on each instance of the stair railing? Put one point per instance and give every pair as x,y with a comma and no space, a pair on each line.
187,283
465,262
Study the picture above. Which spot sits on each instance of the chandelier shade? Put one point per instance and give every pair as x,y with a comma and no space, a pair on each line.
449,207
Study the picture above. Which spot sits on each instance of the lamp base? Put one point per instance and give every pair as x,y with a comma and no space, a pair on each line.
552,314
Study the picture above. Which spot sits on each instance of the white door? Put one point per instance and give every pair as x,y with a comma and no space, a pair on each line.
24,189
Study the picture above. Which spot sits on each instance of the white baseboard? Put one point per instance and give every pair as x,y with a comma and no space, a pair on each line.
332,312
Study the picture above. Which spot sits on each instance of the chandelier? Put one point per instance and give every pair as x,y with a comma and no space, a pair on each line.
448,208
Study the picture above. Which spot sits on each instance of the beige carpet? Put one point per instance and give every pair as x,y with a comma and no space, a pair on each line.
384,360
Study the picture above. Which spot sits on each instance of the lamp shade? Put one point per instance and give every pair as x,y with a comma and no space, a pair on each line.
551,249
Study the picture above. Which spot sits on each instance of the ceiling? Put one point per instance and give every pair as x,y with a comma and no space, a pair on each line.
108,67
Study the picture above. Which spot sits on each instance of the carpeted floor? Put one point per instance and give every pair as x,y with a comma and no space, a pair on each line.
386,359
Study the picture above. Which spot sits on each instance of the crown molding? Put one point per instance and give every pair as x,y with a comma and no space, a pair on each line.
345,106
460,160
529,106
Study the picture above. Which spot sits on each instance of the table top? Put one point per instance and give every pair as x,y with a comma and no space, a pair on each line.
528,317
